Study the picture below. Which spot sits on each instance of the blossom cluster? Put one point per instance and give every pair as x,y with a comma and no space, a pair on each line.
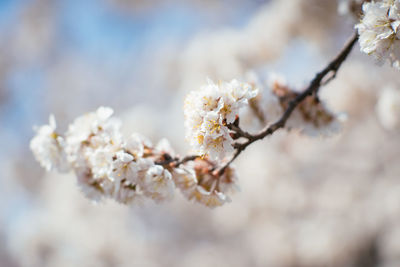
312,117
128,170
379,31
209,110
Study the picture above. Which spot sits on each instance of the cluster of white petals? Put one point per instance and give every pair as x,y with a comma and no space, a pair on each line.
106,164
127,170
209,110
388,108
379,31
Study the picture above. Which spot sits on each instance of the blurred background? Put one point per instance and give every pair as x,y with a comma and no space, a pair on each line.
303,201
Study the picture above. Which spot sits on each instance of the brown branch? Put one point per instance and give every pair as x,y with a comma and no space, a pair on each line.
185,159
175,162
312,89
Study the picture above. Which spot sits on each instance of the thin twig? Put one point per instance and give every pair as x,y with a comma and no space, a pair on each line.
312,89
175,162
186,159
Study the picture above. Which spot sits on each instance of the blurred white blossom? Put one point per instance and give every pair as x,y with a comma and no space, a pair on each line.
48,147
388,108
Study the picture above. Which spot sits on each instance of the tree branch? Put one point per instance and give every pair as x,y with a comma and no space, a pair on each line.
312,89
176,161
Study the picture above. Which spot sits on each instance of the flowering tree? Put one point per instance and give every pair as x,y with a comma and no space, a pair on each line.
109,165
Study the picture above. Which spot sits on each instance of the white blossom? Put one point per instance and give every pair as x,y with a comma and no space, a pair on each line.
158,184
126,174
100,160
48,147
94,130
209,110
123,167
91,143
388,108
378,30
